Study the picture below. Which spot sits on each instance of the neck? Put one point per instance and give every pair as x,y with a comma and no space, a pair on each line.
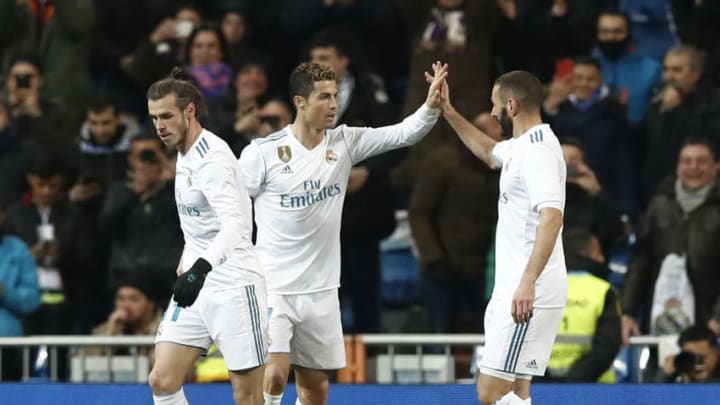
308,135
193,132
524,121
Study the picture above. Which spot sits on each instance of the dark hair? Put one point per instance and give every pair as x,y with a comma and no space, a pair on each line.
45,165
588,61
303,78
102,103
331,38
576,241
697,333
700,140
29,59
523,86
183,87
572,141
696,57
145,136
210,28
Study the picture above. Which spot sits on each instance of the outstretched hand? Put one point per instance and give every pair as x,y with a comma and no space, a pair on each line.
438,86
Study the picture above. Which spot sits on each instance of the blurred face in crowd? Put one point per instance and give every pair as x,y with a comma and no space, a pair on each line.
501,114
45,191
586,80
24,77
188,14
139,145
137,306
103,124
329,56
205,49
233,27
612,28
696,166
320,107
273,116
677,69
573,155
171,123
251,82
709,355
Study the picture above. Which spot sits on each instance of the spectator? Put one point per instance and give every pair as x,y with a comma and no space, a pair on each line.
274,115
583,108
13,158
672,272
41,122
103,145
235,116
237,31
592,313
58,33
453,216
134,313
697,26
163,49
61,241
630,76
698,360
207,59
586,205
361,102
140,220
681,108
653,26
19,295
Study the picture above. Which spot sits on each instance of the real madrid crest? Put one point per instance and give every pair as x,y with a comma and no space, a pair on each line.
284,153
330,156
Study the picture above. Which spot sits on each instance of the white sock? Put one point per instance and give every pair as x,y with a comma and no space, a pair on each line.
178,398
297,402
271,399
512,399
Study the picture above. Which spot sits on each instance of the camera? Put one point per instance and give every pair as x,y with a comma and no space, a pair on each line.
23,80
148,156
685,362
572,171
183,29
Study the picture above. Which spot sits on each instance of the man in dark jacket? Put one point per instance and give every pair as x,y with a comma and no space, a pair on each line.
369,213
683,219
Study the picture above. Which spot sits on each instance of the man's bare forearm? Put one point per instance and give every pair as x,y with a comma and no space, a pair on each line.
547,232
479,143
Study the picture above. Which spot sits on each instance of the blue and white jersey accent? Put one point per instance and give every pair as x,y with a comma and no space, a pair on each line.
532,178
215,213
299,195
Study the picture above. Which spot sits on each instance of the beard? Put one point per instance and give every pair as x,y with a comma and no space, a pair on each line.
506,124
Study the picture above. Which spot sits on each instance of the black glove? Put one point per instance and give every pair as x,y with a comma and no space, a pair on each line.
188,285
439,271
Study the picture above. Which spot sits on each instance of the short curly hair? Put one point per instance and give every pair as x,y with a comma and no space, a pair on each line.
303,78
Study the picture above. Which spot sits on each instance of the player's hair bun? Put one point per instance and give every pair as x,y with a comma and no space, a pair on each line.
179,73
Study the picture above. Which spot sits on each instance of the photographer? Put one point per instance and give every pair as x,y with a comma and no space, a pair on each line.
698,360
141,221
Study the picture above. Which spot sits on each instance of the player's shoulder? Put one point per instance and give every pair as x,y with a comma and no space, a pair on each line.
273,139
208,144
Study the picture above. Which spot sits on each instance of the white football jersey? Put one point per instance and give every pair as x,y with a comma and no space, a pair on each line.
533,177
215,213
299,195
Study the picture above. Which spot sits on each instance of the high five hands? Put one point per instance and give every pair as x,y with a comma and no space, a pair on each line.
437,93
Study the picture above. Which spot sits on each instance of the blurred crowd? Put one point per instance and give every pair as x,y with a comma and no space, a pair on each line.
89,228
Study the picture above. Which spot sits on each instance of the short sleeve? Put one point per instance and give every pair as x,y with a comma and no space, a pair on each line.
544,177
500,151
252,167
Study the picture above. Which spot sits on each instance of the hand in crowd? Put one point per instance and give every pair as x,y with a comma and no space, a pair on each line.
358,178
629,327
82,191
670,97
508,8
164,31
247,119
559,8
24,102
558,91
116,321
44,251
584,177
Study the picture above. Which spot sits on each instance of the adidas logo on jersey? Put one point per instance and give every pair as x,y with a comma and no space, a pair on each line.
287,170
531,364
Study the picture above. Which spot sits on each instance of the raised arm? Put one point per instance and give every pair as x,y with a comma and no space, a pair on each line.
479,143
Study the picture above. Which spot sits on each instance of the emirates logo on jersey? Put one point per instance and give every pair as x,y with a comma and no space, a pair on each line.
284,153
330,156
